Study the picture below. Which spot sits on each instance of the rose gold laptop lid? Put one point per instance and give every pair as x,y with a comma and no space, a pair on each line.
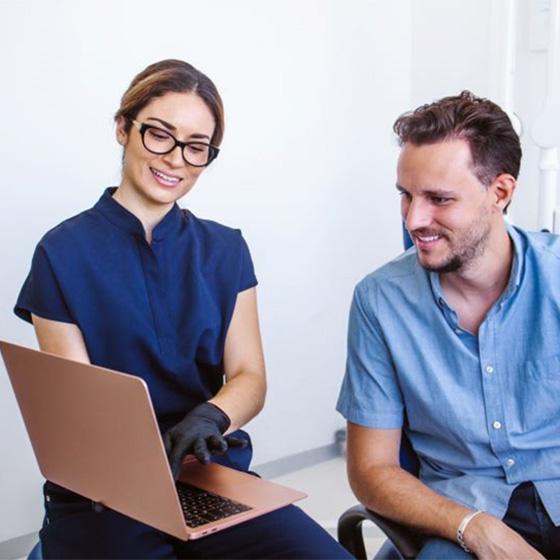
94,431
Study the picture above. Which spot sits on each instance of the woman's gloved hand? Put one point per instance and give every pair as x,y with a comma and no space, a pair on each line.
199,432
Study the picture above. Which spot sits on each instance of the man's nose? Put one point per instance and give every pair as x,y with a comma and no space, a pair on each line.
417,214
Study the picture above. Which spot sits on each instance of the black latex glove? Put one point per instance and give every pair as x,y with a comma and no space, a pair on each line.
199,432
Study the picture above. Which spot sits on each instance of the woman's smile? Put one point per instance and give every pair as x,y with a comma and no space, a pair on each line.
165,179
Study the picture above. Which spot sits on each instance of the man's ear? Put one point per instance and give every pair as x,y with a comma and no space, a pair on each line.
501,190
120,133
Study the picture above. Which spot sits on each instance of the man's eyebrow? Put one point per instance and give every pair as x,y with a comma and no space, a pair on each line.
197,135
443,193
439,192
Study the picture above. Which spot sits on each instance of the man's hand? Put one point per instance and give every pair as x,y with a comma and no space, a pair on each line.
489,539
200,432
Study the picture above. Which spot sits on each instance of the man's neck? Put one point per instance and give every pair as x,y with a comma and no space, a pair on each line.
473,291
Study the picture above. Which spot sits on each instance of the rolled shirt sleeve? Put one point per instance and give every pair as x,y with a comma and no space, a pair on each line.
370,394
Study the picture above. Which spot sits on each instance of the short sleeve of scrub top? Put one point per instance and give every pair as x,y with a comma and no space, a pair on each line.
42,295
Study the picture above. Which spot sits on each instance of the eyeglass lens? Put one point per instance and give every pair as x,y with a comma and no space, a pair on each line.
160,142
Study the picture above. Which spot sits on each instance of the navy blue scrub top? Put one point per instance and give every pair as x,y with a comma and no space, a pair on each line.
159,311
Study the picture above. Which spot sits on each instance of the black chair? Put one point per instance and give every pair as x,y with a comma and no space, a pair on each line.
402,541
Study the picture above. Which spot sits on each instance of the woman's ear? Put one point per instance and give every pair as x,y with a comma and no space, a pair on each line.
502,189
120,132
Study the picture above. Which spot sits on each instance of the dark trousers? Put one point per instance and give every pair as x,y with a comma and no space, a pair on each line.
76,528
525,514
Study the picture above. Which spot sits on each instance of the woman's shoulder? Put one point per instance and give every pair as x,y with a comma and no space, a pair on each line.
70,232
212,231
225,245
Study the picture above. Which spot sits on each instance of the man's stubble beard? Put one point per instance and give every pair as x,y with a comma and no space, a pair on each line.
467,249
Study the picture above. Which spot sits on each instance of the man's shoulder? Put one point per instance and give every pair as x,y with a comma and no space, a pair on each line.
540,252
400,272
541,243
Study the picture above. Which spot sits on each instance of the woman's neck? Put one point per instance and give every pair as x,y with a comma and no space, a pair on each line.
149,213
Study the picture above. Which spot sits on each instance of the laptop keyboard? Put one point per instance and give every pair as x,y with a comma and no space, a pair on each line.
200,506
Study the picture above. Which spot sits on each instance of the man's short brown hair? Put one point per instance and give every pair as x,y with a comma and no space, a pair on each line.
494,144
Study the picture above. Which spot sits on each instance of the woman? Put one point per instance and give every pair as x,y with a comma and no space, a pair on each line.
138,285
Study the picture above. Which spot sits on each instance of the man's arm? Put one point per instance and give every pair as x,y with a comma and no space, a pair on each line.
383,486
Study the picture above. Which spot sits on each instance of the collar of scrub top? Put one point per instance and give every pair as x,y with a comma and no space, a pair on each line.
119,216
514,277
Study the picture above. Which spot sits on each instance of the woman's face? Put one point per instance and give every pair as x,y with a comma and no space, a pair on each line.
164,178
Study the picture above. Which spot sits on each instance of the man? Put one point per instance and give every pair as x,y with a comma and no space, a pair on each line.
455,343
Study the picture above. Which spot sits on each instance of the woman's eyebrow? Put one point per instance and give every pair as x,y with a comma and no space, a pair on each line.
161,121
174,128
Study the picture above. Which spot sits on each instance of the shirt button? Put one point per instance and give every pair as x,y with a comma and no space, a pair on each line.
489,369
458,330
497,425
510,462
47,498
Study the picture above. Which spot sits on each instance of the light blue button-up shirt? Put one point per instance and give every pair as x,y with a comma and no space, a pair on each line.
482,412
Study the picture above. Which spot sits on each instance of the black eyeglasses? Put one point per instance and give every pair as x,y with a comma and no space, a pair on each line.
158,141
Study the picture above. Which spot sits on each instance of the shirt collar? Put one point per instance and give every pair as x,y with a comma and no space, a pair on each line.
514,276
518,263
124,219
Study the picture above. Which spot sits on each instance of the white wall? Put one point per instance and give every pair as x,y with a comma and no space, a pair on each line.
307,171
450,48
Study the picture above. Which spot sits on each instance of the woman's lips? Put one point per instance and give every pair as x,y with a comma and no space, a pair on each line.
164,178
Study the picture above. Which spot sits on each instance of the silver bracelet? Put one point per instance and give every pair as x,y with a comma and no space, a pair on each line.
463,527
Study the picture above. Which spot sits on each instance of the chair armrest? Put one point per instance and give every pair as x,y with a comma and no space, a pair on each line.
350,533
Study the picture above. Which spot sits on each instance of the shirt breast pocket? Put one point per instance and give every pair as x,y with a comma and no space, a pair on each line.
537,394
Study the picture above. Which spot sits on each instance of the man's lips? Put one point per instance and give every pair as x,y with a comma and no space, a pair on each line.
165,178
425,240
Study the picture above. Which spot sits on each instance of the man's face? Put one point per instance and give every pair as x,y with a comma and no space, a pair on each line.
447,211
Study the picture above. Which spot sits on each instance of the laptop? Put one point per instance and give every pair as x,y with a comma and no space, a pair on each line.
94,431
